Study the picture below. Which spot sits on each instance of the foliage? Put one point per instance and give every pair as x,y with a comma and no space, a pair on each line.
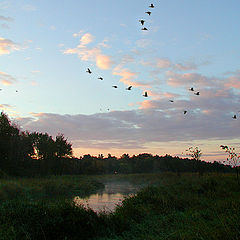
195,153
233,159
187,208
19,150
34,153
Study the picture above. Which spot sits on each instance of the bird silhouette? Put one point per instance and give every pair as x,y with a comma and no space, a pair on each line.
145,94
114,86
144,29
234,117
197,93
191,89
129,88
148,12
184,112
100,78
89,71
141,21
151,6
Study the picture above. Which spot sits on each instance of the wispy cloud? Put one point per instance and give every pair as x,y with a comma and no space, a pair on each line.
7,79
128,77
8,19
7,46
90,54
29,8
135,129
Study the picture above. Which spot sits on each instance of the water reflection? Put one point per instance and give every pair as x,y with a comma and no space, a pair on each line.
107,199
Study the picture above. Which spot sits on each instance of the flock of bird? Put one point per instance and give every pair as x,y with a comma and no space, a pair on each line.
142,21
144,29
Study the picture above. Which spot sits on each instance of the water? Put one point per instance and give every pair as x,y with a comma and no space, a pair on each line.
107,199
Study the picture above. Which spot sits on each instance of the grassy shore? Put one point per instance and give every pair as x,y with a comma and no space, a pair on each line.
169,207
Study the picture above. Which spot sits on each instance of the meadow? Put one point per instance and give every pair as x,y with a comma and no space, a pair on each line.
168,207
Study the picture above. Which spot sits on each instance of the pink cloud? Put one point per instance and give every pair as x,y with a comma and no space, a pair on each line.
175,79
146,104
163,63
86,39
7,79
233,81
7,46
90,54
103,62
128,77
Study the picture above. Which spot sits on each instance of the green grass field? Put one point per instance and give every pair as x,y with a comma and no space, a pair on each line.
168,207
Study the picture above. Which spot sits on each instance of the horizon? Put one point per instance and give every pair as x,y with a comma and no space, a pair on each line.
46,49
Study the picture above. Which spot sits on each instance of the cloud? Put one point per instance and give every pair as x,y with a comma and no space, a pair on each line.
163,63
90,54
7,46
185,66
143,43
187,79
233,81
4,25
128,77
79,34
5,4
8,19
5,106
103,62
86,39
35,71
29,8
7,79
136,129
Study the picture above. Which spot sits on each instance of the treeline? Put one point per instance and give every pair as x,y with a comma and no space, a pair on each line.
24,153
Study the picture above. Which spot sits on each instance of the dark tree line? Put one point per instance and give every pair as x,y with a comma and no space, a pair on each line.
32,154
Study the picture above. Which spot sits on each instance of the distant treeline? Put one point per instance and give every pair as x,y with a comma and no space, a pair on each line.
24,153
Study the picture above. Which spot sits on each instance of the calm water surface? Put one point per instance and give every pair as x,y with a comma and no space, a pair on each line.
109,198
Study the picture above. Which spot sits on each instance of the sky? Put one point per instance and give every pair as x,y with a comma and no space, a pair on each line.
46,48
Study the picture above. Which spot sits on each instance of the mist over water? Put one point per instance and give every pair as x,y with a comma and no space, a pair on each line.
108,198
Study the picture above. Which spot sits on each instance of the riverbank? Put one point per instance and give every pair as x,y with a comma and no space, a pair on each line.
170,207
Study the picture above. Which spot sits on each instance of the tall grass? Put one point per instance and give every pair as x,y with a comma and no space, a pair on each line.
189,207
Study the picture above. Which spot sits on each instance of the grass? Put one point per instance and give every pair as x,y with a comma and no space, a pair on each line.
169,207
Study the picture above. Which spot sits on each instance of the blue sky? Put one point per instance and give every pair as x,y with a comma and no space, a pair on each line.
47,46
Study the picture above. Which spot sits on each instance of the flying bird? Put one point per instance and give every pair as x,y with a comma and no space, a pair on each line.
151,6
141,21
145,94
234,117
114,86
184,112
191,89
129,88
197,93
148,12
89,71
100,78
144,29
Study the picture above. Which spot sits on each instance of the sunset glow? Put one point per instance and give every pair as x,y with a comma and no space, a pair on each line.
46,48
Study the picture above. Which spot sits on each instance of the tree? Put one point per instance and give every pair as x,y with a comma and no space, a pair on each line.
9,141
233,159
196,154
62,147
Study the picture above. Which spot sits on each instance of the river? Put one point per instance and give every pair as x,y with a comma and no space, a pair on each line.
108,198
